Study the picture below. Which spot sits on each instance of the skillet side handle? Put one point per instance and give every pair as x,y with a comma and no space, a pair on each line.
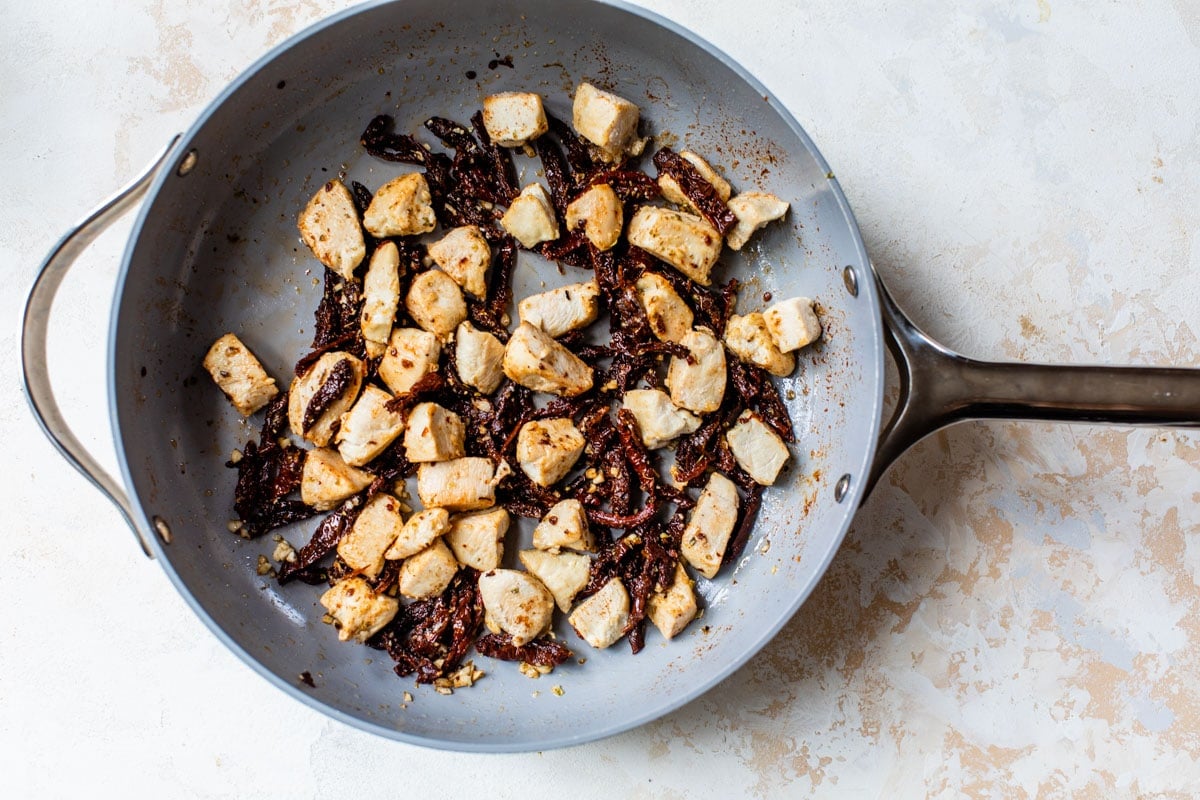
939,387
35,373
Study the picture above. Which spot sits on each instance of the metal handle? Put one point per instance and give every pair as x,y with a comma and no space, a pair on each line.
939,387
36,375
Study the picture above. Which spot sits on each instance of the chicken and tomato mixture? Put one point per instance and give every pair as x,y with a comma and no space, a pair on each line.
641,451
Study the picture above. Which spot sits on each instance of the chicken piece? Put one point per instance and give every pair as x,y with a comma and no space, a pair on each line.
433,433
748,339
564,574
698,383
792,323
685,241
658,419
530,217
368,427
512,119
428,573
360,611
329,227
411,355
601,619
670,317
375,529
757,448
420,531
561,310
672,191
598,210
436,303
534,360
401,207
565,525
327,480
477,539
753,211
707,533
517,603
548,448
381,298
465,256
606,120
461,484
672,609
479,357
239,375
305,386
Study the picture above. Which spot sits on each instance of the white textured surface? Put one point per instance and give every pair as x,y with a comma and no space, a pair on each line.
1016,612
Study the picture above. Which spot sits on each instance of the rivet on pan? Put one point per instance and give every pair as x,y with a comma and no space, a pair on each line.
842,488
164,531
851,279
188,163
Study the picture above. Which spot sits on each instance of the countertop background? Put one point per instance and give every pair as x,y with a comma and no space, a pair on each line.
1016,611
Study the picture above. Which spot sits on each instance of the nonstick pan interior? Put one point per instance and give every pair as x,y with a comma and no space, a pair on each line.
216,250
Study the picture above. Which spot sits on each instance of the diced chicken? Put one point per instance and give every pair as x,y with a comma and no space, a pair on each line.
707,533
305,386
564,574
433,433
658,419
685,241
465,256
606,120
368,427
359,610
753,211
411,355
670,317
548,448
420,531
329,226
757,448
698,383
599,212
381,297
239,375
564,309
792,323
401,207
517,603
748,339
674,193
375,529
534,360
565,525
672,609
462,484
512,119
530,217
601,619
327,480
429,572
436,303
478,539
479,356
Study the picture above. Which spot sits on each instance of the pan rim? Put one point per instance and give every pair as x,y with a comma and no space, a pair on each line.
874,372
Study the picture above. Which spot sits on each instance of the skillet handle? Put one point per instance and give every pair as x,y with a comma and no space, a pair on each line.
939,387
35,374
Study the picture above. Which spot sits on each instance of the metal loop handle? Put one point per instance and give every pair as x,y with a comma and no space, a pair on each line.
939,387
35,373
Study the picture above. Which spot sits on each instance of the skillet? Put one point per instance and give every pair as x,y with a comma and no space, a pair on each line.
214,249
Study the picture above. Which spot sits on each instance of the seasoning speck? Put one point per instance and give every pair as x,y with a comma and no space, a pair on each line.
307,679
